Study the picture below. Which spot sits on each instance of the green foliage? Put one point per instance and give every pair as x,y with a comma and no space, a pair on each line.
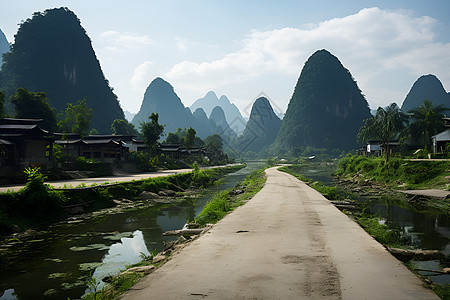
2,105
415,174
152,131
37,199
224,202
34,105
213,143
388,124
122,127
76,118
190,138
381,232
172,138
426,122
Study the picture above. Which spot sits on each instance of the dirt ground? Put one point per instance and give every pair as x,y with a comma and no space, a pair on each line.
288,242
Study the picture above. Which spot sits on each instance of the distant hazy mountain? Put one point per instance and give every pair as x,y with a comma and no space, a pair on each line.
326,109
129,115
232,113
4,46
426,87
262,127
53,54
218,118
161,98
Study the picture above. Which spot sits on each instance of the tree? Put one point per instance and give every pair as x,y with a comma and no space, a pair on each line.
76,118
172,138
190,138
387,124
34,105
122,127
2,105
426,122
213,142
152,131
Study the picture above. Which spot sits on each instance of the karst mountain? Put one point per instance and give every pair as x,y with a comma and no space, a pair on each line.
326,109
261,129
52,53
426,87
232,114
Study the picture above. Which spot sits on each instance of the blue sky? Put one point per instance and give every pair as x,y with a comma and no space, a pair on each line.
243,48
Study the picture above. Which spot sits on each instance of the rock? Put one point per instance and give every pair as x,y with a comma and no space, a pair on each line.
148,195
15,229
181,240
170,193
162,194
143,269
158,258
407,255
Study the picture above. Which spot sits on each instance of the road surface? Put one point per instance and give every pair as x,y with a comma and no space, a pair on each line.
288,242
109,179
99,180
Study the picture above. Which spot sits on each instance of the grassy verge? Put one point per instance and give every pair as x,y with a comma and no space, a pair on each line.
37,205
330,192
397,172
226,201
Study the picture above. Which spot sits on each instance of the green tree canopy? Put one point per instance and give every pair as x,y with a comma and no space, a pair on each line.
2,105
172,138
34,105
152,131
122,127
190,138
387,124
426,122
76,118
213,142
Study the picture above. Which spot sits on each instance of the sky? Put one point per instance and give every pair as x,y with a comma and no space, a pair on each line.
244,49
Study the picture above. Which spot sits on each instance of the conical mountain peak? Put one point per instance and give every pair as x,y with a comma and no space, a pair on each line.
326,109
426,87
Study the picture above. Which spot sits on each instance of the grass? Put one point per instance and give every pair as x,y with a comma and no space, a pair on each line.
226,201
397,172
330,192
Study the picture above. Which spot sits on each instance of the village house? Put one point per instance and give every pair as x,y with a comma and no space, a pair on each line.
24,144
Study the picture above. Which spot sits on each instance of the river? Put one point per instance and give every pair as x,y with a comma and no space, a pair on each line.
58,262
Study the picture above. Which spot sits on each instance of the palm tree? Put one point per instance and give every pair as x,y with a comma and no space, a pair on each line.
387,124
427,120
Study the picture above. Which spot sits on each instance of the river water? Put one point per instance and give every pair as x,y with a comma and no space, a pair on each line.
58,262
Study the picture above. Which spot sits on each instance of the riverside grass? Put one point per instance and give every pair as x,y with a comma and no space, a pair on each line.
226,201
396,172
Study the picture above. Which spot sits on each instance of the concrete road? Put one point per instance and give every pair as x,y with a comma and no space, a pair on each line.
99,180
109,179
288,242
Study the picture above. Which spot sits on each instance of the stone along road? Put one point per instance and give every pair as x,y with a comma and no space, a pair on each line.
288,242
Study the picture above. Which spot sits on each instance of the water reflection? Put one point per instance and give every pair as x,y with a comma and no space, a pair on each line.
128,251
9,294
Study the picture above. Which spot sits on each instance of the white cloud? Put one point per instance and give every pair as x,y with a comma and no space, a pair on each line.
127,40
371,43
140,78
